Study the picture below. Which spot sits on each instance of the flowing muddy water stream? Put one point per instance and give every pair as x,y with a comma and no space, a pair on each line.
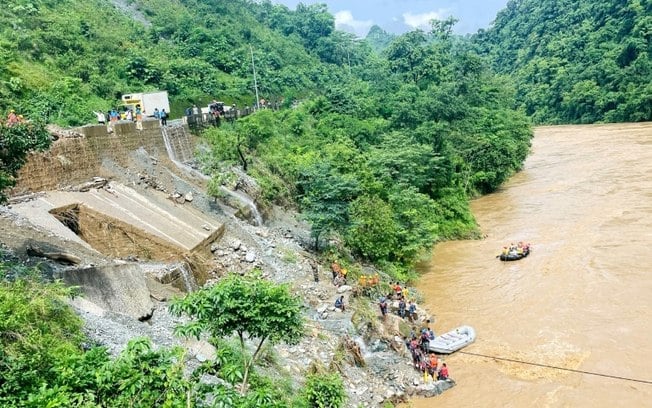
581,300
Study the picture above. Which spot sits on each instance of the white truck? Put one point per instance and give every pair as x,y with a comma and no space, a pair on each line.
148,101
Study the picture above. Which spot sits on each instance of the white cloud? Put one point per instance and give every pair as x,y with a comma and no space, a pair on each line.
344,21
423,20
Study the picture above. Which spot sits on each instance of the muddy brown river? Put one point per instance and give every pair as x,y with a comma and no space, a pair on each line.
583,298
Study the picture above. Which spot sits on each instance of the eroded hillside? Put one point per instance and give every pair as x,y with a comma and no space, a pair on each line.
115,216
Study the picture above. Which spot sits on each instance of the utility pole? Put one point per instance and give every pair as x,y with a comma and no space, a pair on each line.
253,66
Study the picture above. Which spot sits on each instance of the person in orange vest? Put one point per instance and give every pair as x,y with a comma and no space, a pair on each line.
432,366
344,272
335,268
433,360
398,290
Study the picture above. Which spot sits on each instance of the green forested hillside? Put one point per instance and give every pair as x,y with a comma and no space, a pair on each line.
414,131
62,59
575,61
388,157
380,151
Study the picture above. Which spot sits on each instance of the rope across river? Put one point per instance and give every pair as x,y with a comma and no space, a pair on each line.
557,367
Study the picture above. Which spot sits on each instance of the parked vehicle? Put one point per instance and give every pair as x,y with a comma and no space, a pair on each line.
148,101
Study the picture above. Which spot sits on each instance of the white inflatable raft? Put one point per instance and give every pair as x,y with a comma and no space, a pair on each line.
452,340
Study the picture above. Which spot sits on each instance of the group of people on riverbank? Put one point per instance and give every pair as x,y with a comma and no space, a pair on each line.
423,360
406,308
418,342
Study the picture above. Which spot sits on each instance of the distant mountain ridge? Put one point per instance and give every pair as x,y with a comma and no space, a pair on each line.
378,38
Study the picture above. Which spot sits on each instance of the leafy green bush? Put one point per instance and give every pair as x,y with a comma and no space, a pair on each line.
45,359
325,391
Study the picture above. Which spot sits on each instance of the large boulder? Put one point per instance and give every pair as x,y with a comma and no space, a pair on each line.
117,288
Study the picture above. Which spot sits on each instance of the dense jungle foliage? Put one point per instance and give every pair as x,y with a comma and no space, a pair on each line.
47,361
575,61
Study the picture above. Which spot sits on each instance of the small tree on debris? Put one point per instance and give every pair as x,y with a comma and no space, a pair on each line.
16,141
251,307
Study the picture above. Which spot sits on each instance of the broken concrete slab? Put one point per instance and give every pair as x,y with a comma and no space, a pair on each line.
117,288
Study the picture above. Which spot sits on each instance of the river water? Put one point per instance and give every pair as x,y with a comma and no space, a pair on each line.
581,300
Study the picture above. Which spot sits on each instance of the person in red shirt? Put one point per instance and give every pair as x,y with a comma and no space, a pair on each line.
443,372
398,290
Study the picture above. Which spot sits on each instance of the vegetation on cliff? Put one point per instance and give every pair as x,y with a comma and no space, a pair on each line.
46,360
16,141
250,308
578,61
387,158
60,60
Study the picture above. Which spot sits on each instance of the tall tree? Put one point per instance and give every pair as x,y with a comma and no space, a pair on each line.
408,55
325,199
250,307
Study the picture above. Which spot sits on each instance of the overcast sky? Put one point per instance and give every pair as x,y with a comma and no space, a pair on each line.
398,16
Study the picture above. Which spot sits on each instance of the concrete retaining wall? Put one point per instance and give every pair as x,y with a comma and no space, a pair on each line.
71,161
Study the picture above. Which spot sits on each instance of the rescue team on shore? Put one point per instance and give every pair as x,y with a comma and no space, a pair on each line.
423,360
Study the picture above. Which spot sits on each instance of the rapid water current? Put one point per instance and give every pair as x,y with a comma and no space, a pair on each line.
582,300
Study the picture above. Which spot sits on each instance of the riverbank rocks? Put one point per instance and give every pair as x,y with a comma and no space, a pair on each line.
235,245
344,288
201,350
250,257
432,389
